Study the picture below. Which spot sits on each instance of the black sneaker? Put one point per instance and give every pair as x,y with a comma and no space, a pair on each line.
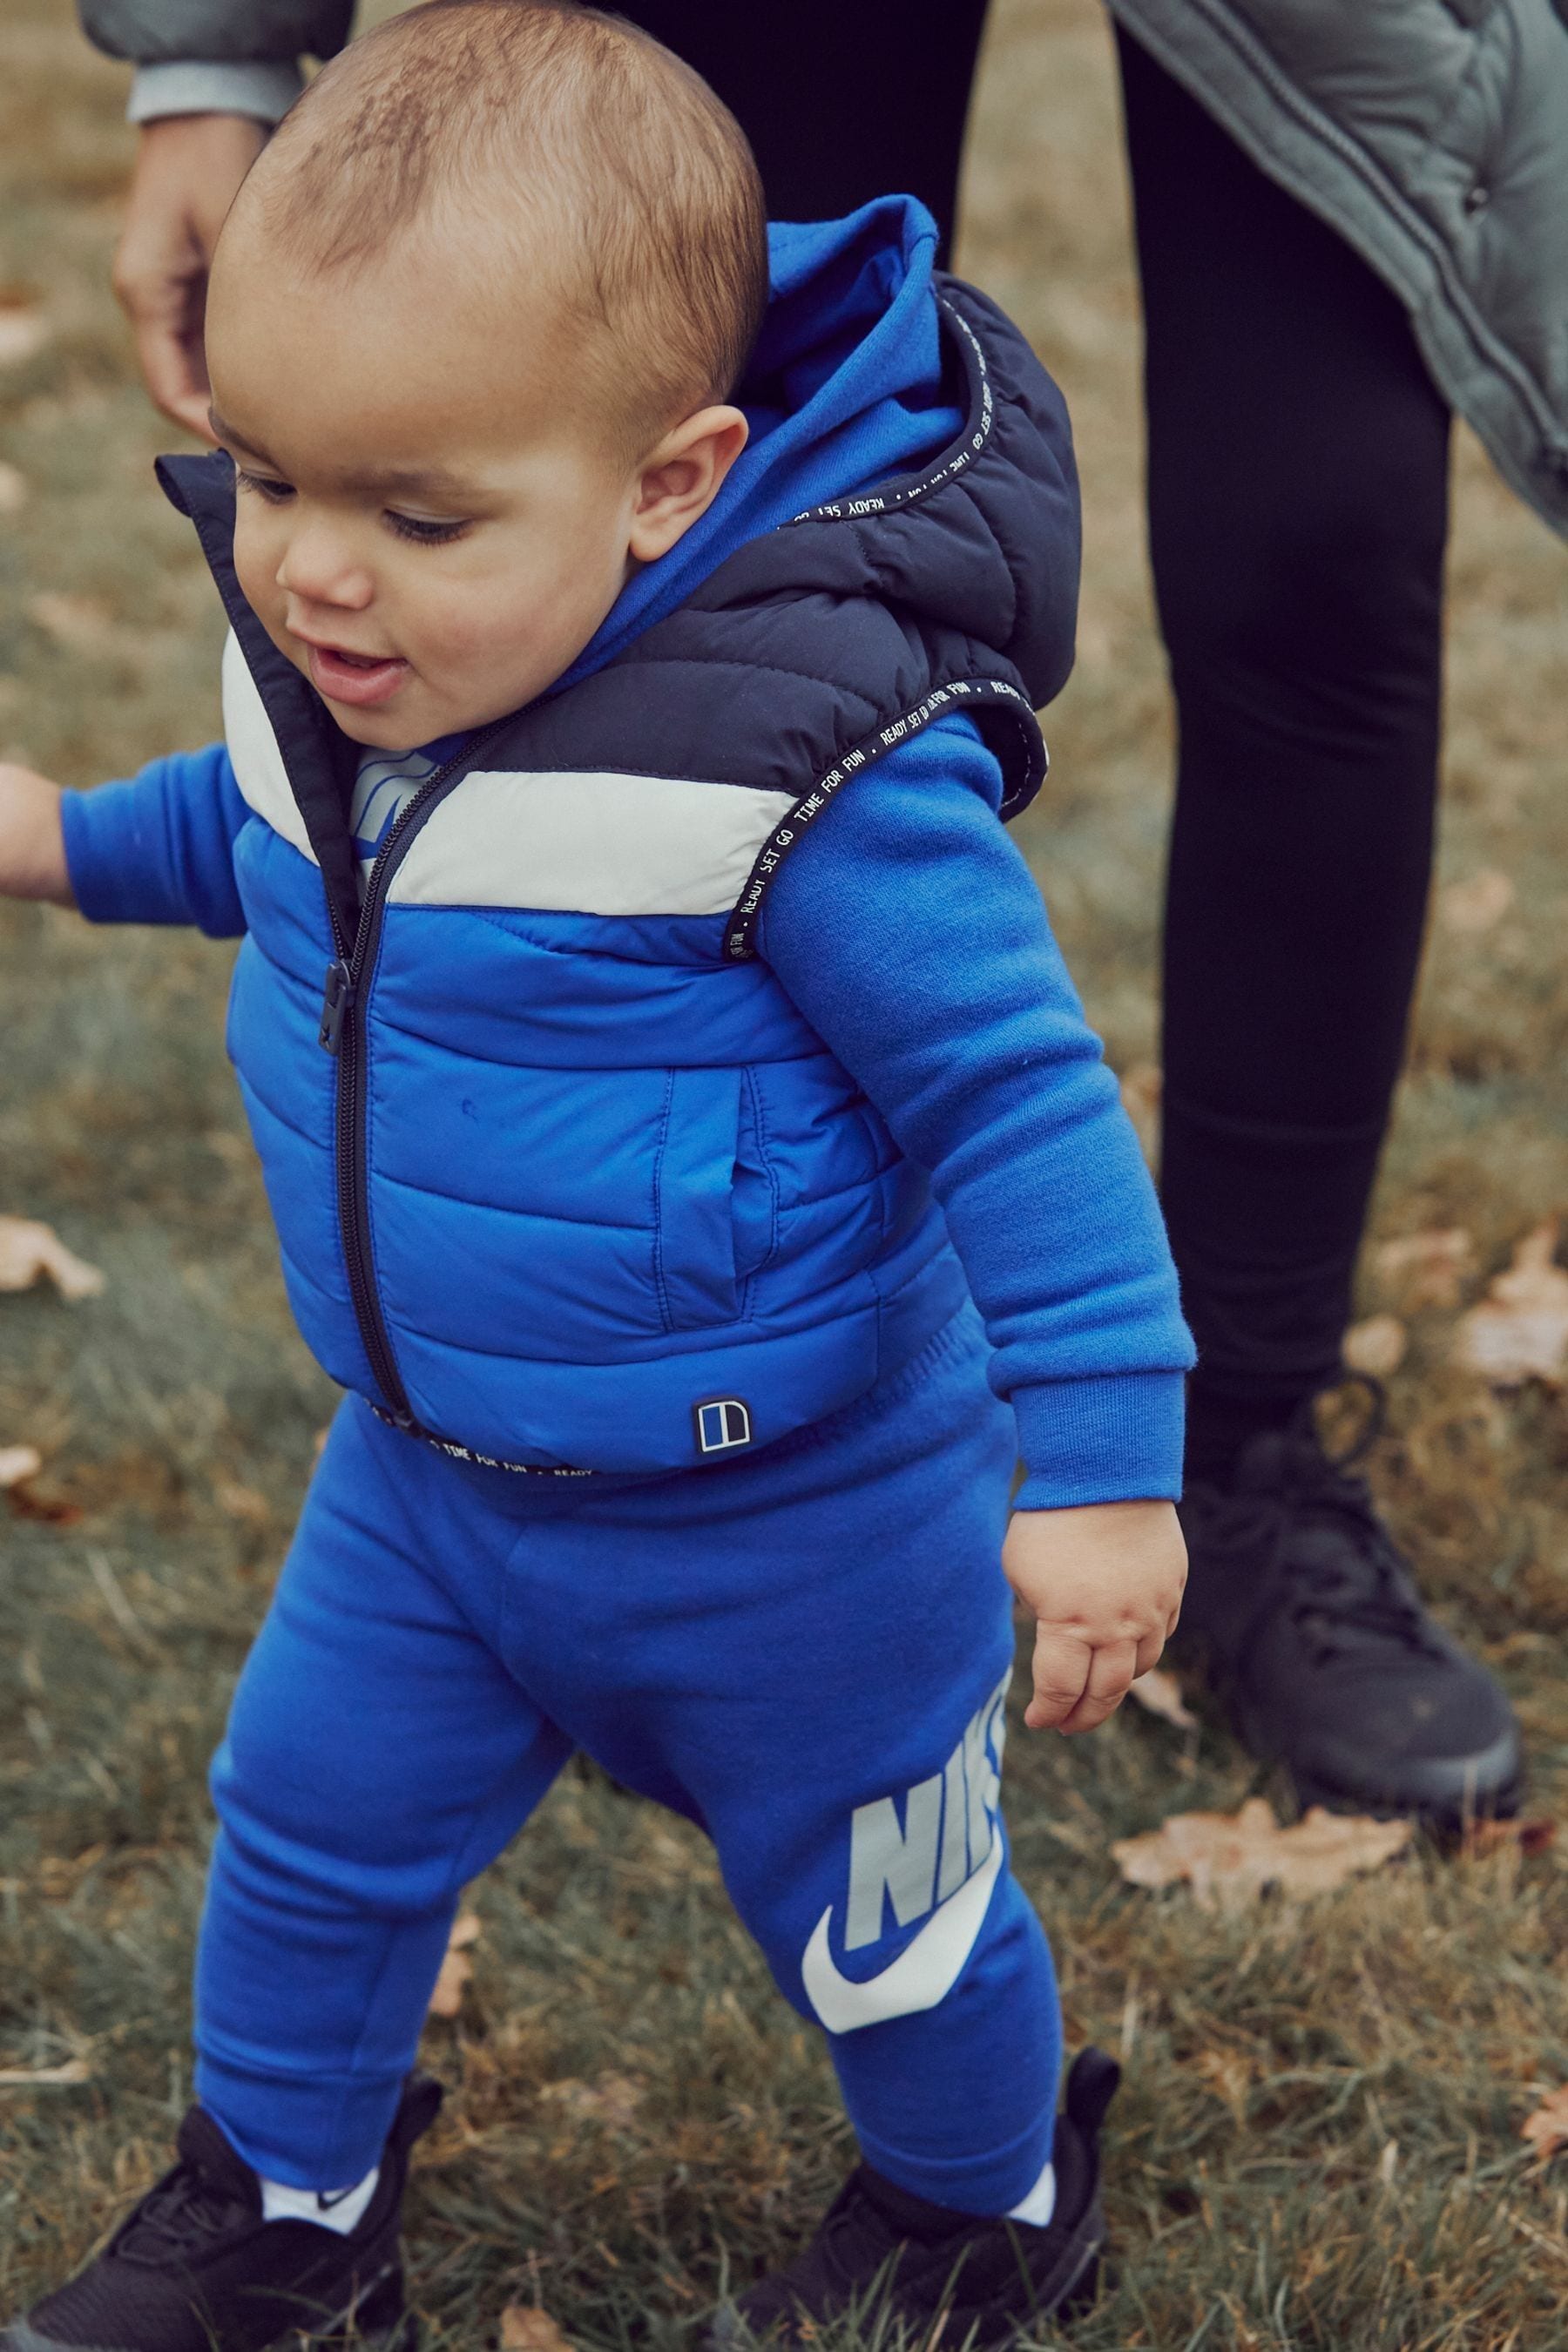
1302,1612
195,2268
882,2255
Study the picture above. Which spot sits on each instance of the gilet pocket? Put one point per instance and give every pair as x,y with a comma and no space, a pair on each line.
694,1242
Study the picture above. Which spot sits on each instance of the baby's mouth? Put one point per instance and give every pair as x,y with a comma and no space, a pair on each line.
358,678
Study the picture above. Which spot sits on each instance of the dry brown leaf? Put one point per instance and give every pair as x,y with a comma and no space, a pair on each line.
1492,1837
13,489
612,2099
1228,1859
1376,1346
524,2328
29,1249
1547,2128
18,1462
1142,1087
1161,1693
24,328
1475,905
457,1969
1520,1331
1228,2073
1427,1268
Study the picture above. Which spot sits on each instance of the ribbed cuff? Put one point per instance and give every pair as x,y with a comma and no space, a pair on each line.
198,86
1116,1439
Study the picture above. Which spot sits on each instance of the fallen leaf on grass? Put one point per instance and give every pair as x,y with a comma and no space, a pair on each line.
1476,903
1161,1693
456,1968
524,2328
19,1461
24,328
1482,1838
1547,2128
29,1249
1142,1089
1427,1268
1376,1346
1228,1859
1520,1331
1228,2073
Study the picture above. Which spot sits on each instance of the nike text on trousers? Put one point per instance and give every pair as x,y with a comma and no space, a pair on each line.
804,1651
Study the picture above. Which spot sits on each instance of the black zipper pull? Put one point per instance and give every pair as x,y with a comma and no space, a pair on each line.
337,1002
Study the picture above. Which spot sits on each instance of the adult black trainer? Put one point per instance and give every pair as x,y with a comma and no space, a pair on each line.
195,2268
1301,1611
882,2256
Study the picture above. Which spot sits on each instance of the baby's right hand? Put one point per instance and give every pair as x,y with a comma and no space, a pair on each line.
32,839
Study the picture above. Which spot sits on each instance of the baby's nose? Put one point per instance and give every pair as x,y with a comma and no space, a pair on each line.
319,567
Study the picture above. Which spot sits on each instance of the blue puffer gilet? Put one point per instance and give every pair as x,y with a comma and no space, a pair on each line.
556,1163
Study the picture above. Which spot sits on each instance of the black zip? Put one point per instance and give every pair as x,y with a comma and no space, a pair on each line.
342,1034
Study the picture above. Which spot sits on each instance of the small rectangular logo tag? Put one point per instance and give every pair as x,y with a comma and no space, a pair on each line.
723,1423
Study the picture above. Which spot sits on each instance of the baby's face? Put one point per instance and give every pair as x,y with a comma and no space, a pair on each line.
424,527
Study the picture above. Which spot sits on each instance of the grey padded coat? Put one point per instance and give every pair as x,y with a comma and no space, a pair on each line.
1433,134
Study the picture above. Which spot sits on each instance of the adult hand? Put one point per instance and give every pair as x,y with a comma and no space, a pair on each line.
189,169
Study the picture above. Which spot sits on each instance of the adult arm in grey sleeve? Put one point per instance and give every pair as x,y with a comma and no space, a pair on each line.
247,32
211,78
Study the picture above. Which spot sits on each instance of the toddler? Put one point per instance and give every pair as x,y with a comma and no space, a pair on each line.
687,1147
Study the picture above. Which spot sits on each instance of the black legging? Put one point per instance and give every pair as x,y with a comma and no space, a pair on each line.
1298,474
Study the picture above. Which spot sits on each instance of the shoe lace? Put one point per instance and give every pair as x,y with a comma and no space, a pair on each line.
181,2215
1358,1584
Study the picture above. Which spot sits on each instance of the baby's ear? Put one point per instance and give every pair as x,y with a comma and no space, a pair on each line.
681,479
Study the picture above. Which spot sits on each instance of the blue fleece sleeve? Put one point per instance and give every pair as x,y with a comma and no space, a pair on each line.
908,929
160,847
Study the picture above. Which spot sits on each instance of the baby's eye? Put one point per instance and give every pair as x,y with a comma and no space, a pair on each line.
265,485
422,530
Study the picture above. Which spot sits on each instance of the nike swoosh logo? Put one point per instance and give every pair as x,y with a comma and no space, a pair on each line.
924,1972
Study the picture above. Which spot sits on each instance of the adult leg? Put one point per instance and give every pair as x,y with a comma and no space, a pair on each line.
1298,502
1297,507
840,104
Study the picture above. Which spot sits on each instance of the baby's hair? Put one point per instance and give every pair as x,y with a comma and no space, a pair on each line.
618,172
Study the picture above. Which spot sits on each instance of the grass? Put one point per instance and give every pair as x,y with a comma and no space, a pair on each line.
1317,2145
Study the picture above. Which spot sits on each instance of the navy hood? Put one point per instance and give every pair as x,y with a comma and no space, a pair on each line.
859,383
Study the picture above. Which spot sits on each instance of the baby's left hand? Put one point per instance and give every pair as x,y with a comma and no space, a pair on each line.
1104,1583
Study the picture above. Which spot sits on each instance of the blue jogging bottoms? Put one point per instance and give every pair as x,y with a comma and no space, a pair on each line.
805,1653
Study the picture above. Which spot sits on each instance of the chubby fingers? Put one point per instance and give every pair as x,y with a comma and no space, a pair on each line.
1077,1685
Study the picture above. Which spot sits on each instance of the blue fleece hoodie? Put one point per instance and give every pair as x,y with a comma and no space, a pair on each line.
906,928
